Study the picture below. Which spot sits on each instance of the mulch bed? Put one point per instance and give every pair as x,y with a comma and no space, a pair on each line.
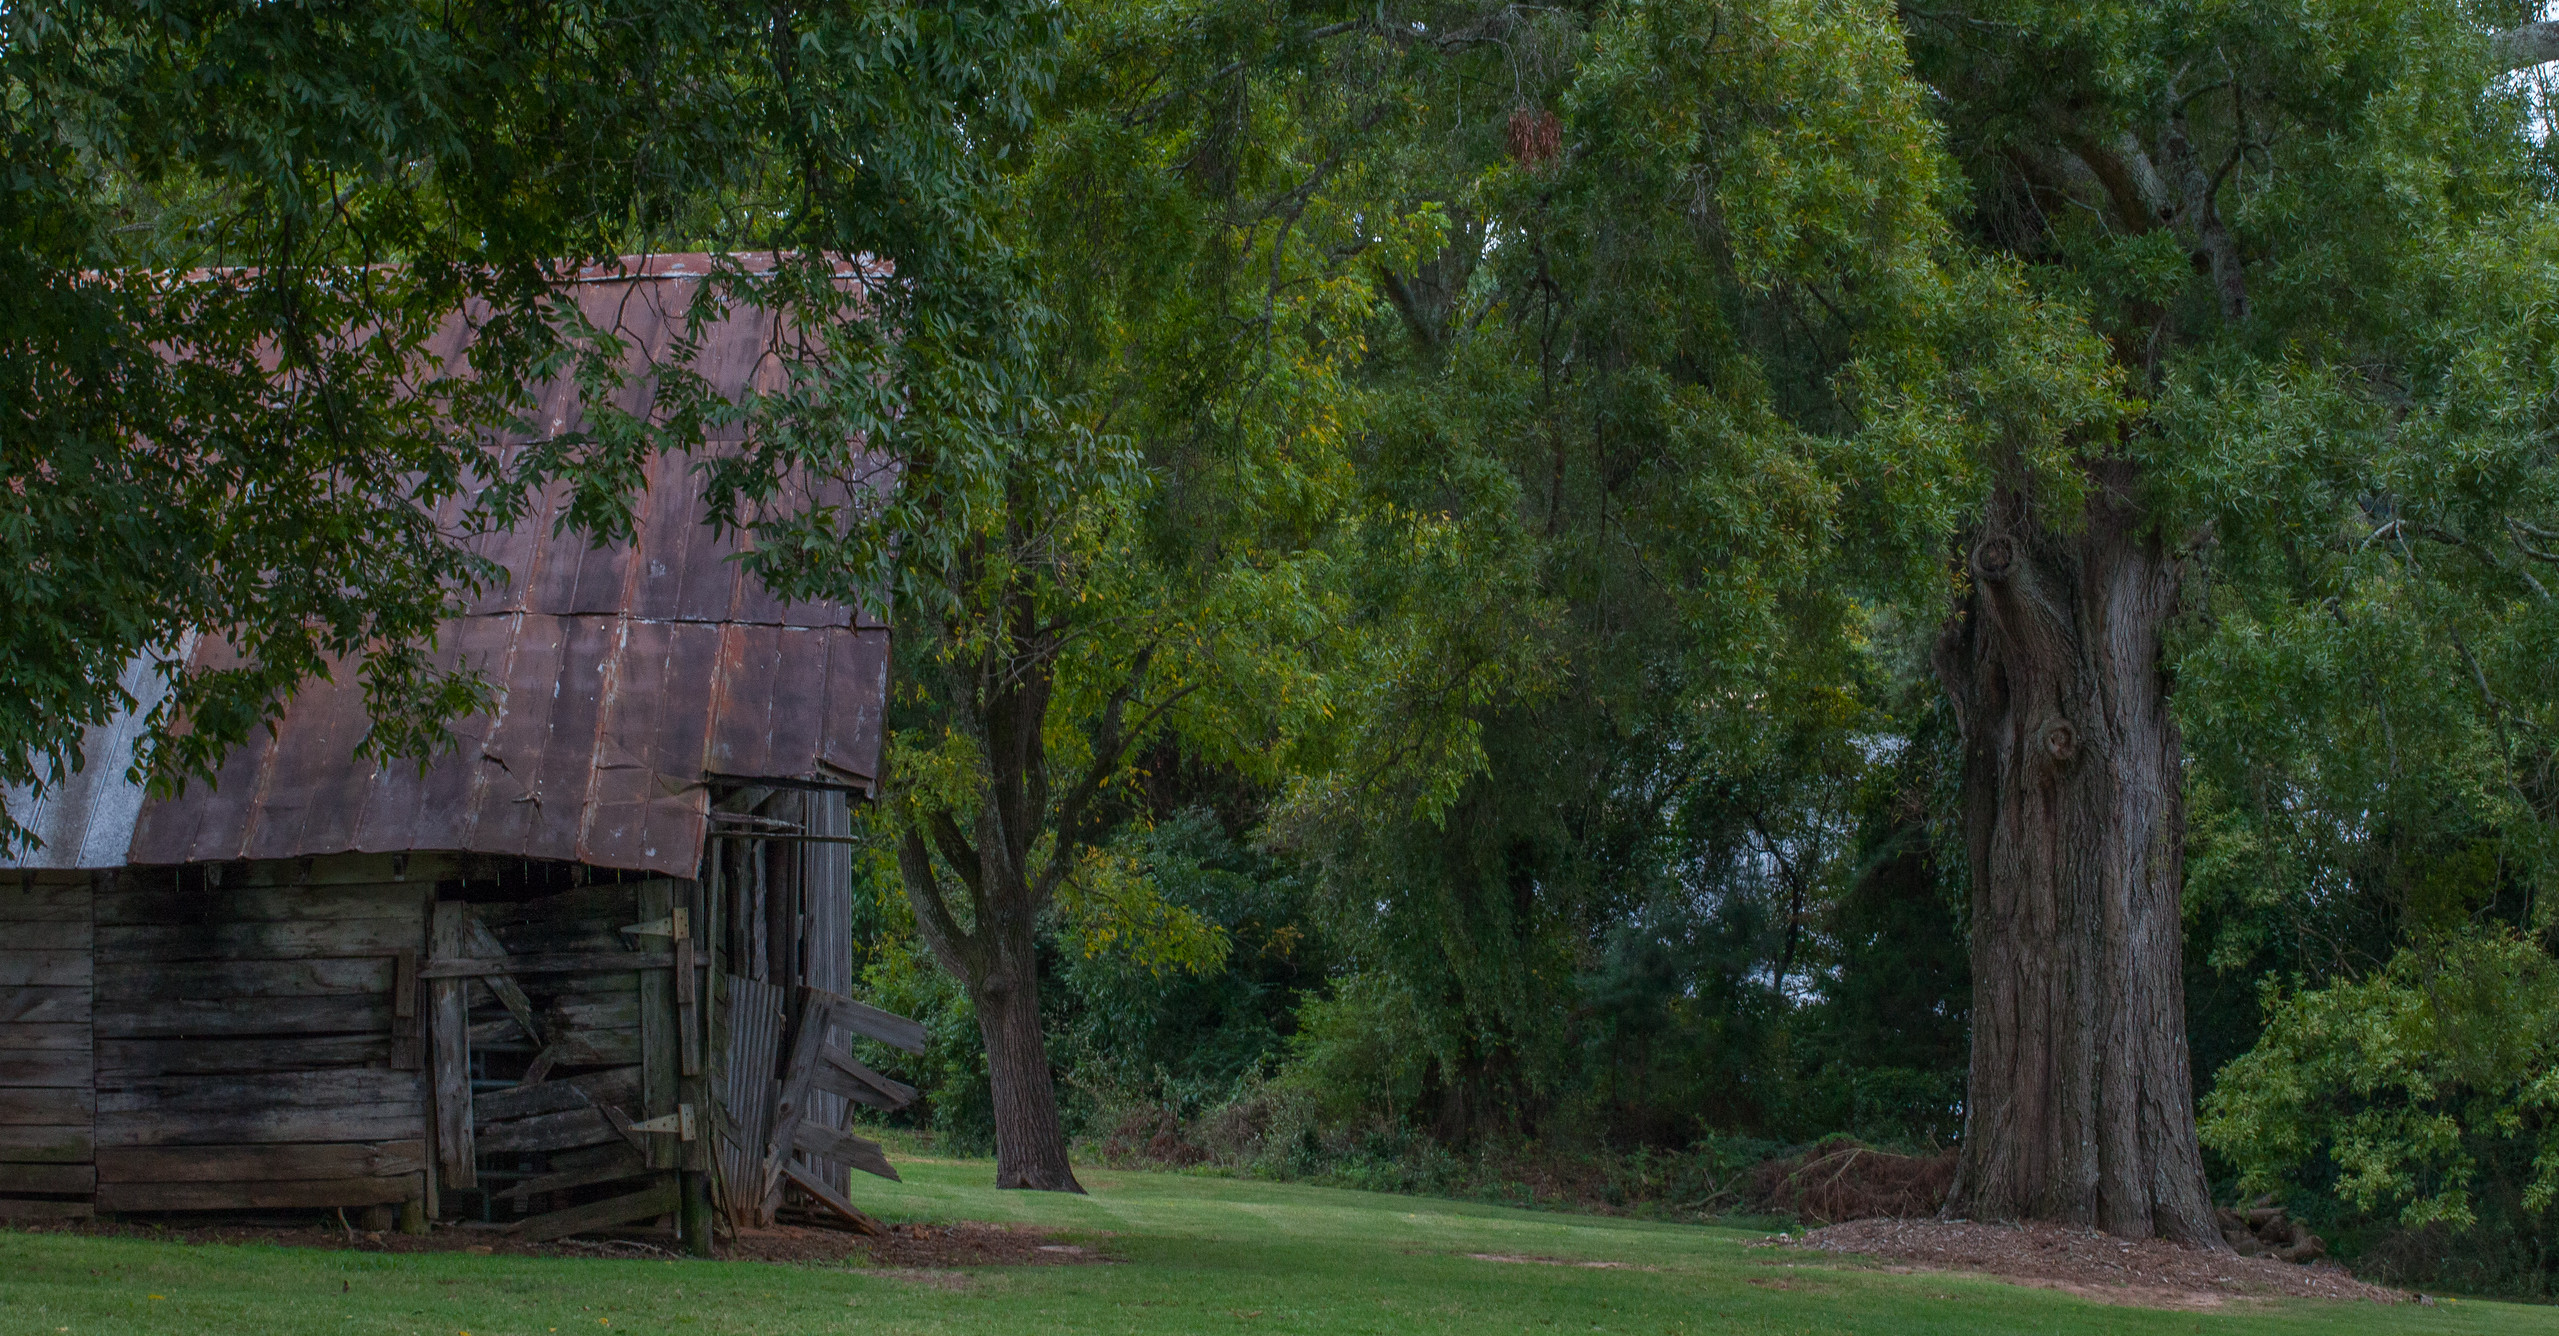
907,1247
2150,1272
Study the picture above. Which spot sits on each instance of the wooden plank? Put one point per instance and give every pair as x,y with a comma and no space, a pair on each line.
44,969
550,1131
748,1057
257,1194
141,1059
791,1103
361,1104
688,1012
571,1012
657,1199
54,1036
218,1164
69,1144
660,1066
28,1107
169,907
55,1178
54,1068
598,1047
839,1074
65,901
574,962
872,1023
406,1051
212,1017
581,918
226,979
19,1209
587,1176
256,941
44,1006
449,1038
418,872
860,1152
619,1086
833,1201
44,935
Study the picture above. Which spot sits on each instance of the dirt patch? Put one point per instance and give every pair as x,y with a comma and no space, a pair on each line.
1842,1179
2151,1273
1556,1261
908,1249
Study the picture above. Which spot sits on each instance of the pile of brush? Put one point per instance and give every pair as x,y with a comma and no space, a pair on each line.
2262,1230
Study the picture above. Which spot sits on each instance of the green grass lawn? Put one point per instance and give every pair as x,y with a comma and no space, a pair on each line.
1199,1255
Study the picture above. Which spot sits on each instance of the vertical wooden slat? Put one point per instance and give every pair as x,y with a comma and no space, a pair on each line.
449,1033
659,1065
404,1012
48,1062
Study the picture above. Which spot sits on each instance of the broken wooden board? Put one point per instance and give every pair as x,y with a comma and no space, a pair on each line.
583,962
841,1073
860,1152
45,1006
544,1132
833,1201
659,1198
618,1086
584,1176
889,1028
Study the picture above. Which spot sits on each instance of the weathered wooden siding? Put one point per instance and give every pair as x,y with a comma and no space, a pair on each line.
48,1161
249,1046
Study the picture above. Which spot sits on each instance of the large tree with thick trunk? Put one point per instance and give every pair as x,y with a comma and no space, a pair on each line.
2213,188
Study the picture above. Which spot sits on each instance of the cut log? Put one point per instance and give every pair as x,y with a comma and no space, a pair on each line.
833,1201
257,1194
660,1198
218,1164
860,1152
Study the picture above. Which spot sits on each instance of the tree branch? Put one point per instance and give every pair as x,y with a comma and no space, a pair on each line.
2524,47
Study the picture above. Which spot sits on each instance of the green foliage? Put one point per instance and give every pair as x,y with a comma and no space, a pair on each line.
230,228
2426,1094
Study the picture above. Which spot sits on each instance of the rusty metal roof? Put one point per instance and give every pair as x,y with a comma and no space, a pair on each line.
629,677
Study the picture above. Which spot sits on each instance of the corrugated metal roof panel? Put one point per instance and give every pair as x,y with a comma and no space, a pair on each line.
627,676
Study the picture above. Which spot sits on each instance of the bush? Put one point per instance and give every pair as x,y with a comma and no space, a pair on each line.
2422,1105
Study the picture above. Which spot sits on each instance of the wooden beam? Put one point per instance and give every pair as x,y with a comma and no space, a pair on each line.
219,1164
567,962
258,1194
449,1037
860,1152
659,1198
834,1201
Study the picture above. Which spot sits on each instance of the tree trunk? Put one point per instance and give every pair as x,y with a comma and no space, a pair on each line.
2081,1104
1030,1146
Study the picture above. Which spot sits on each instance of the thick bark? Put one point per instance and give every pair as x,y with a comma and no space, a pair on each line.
1030,1146
2081,1106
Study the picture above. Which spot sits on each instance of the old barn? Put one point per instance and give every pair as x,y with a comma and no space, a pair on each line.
588,970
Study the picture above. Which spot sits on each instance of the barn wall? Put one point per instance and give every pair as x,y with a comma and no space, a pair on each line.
255,1034
48,1091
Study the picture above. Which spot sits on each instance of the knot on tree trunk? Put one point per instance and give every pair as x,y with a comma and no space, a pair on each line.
2061,741
1994,559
